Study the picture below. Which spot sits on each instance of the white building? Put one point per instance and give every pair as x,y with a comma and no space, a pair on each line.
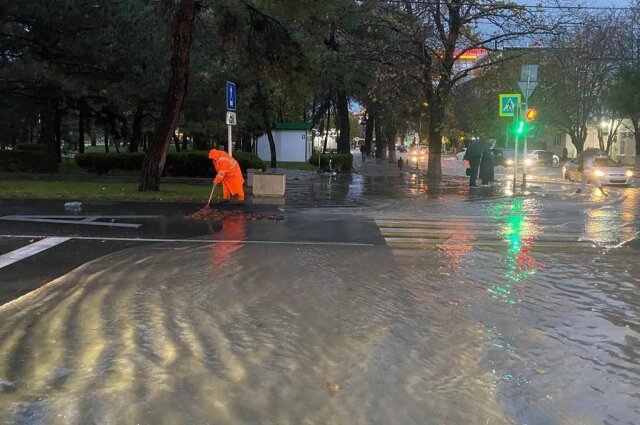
623,148
292,142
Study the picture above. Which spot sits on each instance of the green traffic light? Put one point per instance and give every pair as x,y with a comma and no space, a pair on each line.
520,129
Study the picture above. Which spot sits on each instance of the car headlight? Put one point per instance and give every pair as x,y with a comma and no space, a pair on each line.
629,173
598,173
509,161
528,161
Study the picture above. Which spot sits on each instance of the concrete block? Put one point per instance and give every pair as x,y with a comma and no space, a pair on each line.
269,184
250,173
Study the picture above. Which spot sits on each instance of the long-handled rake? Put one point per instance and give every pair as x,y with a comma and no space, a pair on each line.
207,206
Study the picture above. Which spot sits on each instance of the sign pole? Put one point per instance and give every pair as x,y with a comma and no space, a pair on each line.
530,74
231,114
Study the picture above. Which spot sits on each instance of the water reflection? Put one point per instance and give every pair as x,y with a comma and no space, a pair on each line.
233,231
614,223
519,233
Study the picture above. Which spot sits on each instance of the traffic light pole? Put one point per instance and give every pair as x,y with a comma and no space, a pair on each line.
524,150
515,152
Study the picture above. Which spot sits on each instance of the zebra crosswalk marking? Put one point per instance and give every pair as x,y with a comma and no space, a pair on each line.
409,237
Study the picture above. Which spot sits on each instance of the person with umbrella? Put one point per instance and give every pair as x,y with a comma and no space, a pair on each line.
473,154
486,166
586,160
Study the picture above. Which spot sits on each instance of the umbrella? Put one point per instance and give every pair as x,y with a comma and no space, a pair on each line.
476,148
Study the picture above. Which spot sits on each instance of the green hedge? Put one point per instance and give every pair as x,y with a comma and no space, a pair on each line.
249,160
340,162
178,164
17,161
30,147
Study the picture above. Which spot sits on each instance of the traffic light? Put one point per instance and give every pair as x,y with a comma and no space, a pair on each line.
520,127
531,114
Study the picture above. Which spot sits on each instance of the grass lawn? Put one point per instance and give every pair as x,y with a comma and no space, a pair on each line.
111,191
287,165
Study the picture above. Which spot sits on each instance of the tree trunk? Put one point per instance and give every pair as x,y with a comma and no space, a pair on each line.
106,136
391,144
156,155
92,134
368,131
136,131
601,138
436,115
636,133
114,132
326,130
378,129
266,122
342,107
58,132
578,142
82,108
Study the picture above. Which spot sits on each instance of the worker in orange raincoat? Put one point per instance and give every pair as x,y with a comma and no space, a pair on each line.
228,174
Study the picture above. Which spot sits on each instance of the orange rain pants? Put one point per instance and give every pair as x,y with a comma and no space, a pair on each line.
229,174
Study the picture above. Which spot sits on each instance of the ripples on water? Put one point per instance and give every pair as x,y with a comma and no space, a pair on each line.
258,334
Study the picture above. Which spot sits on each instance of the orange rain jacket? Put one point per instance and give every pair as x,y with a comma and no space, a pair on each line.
229,174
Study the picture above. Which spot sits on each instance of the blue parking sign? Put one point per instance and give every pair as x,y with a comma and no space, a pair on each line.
231,96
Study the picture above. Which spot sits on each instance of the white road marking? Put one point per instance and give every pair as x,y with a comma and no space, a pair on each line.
203,241
78,219
29,250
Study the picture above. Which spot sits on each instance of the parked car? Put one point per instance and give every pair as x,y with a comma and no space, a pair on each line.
505,158
605,169
543,157
460,155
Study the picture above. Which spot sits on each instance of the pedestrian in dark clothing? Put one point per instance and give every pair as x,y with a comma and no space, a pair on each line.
363,152
473,154
565,154
486,167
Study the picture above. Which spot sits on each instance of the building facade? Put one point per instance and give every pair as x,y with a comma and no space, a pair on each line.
623,148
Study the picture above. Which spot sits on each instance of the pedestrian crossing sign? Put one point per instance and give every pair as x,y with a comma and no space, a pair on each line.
508,104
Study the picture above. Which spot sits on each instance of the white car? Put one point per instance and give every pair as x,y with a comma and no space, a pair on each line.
543,157
460,155
605,169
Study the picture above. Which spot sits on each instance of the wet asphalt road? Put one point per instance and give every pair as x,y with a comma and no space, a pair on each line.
380,298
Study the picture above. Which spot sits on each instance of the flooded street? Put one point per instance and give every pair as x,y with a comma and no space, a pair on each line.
465,309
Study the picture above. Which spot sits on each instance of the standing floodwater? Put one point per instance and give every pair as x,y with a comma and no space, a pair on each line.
489,311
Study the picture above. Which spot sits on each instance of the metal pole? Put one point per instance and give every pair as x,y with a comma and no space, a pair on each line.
524,149
515,151
515,163
229,139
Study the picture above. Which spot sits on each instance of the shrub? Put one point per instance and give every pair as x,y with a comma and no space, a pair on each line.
248,160
188,164
340,162
27,162
178,164
30,147
103,163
